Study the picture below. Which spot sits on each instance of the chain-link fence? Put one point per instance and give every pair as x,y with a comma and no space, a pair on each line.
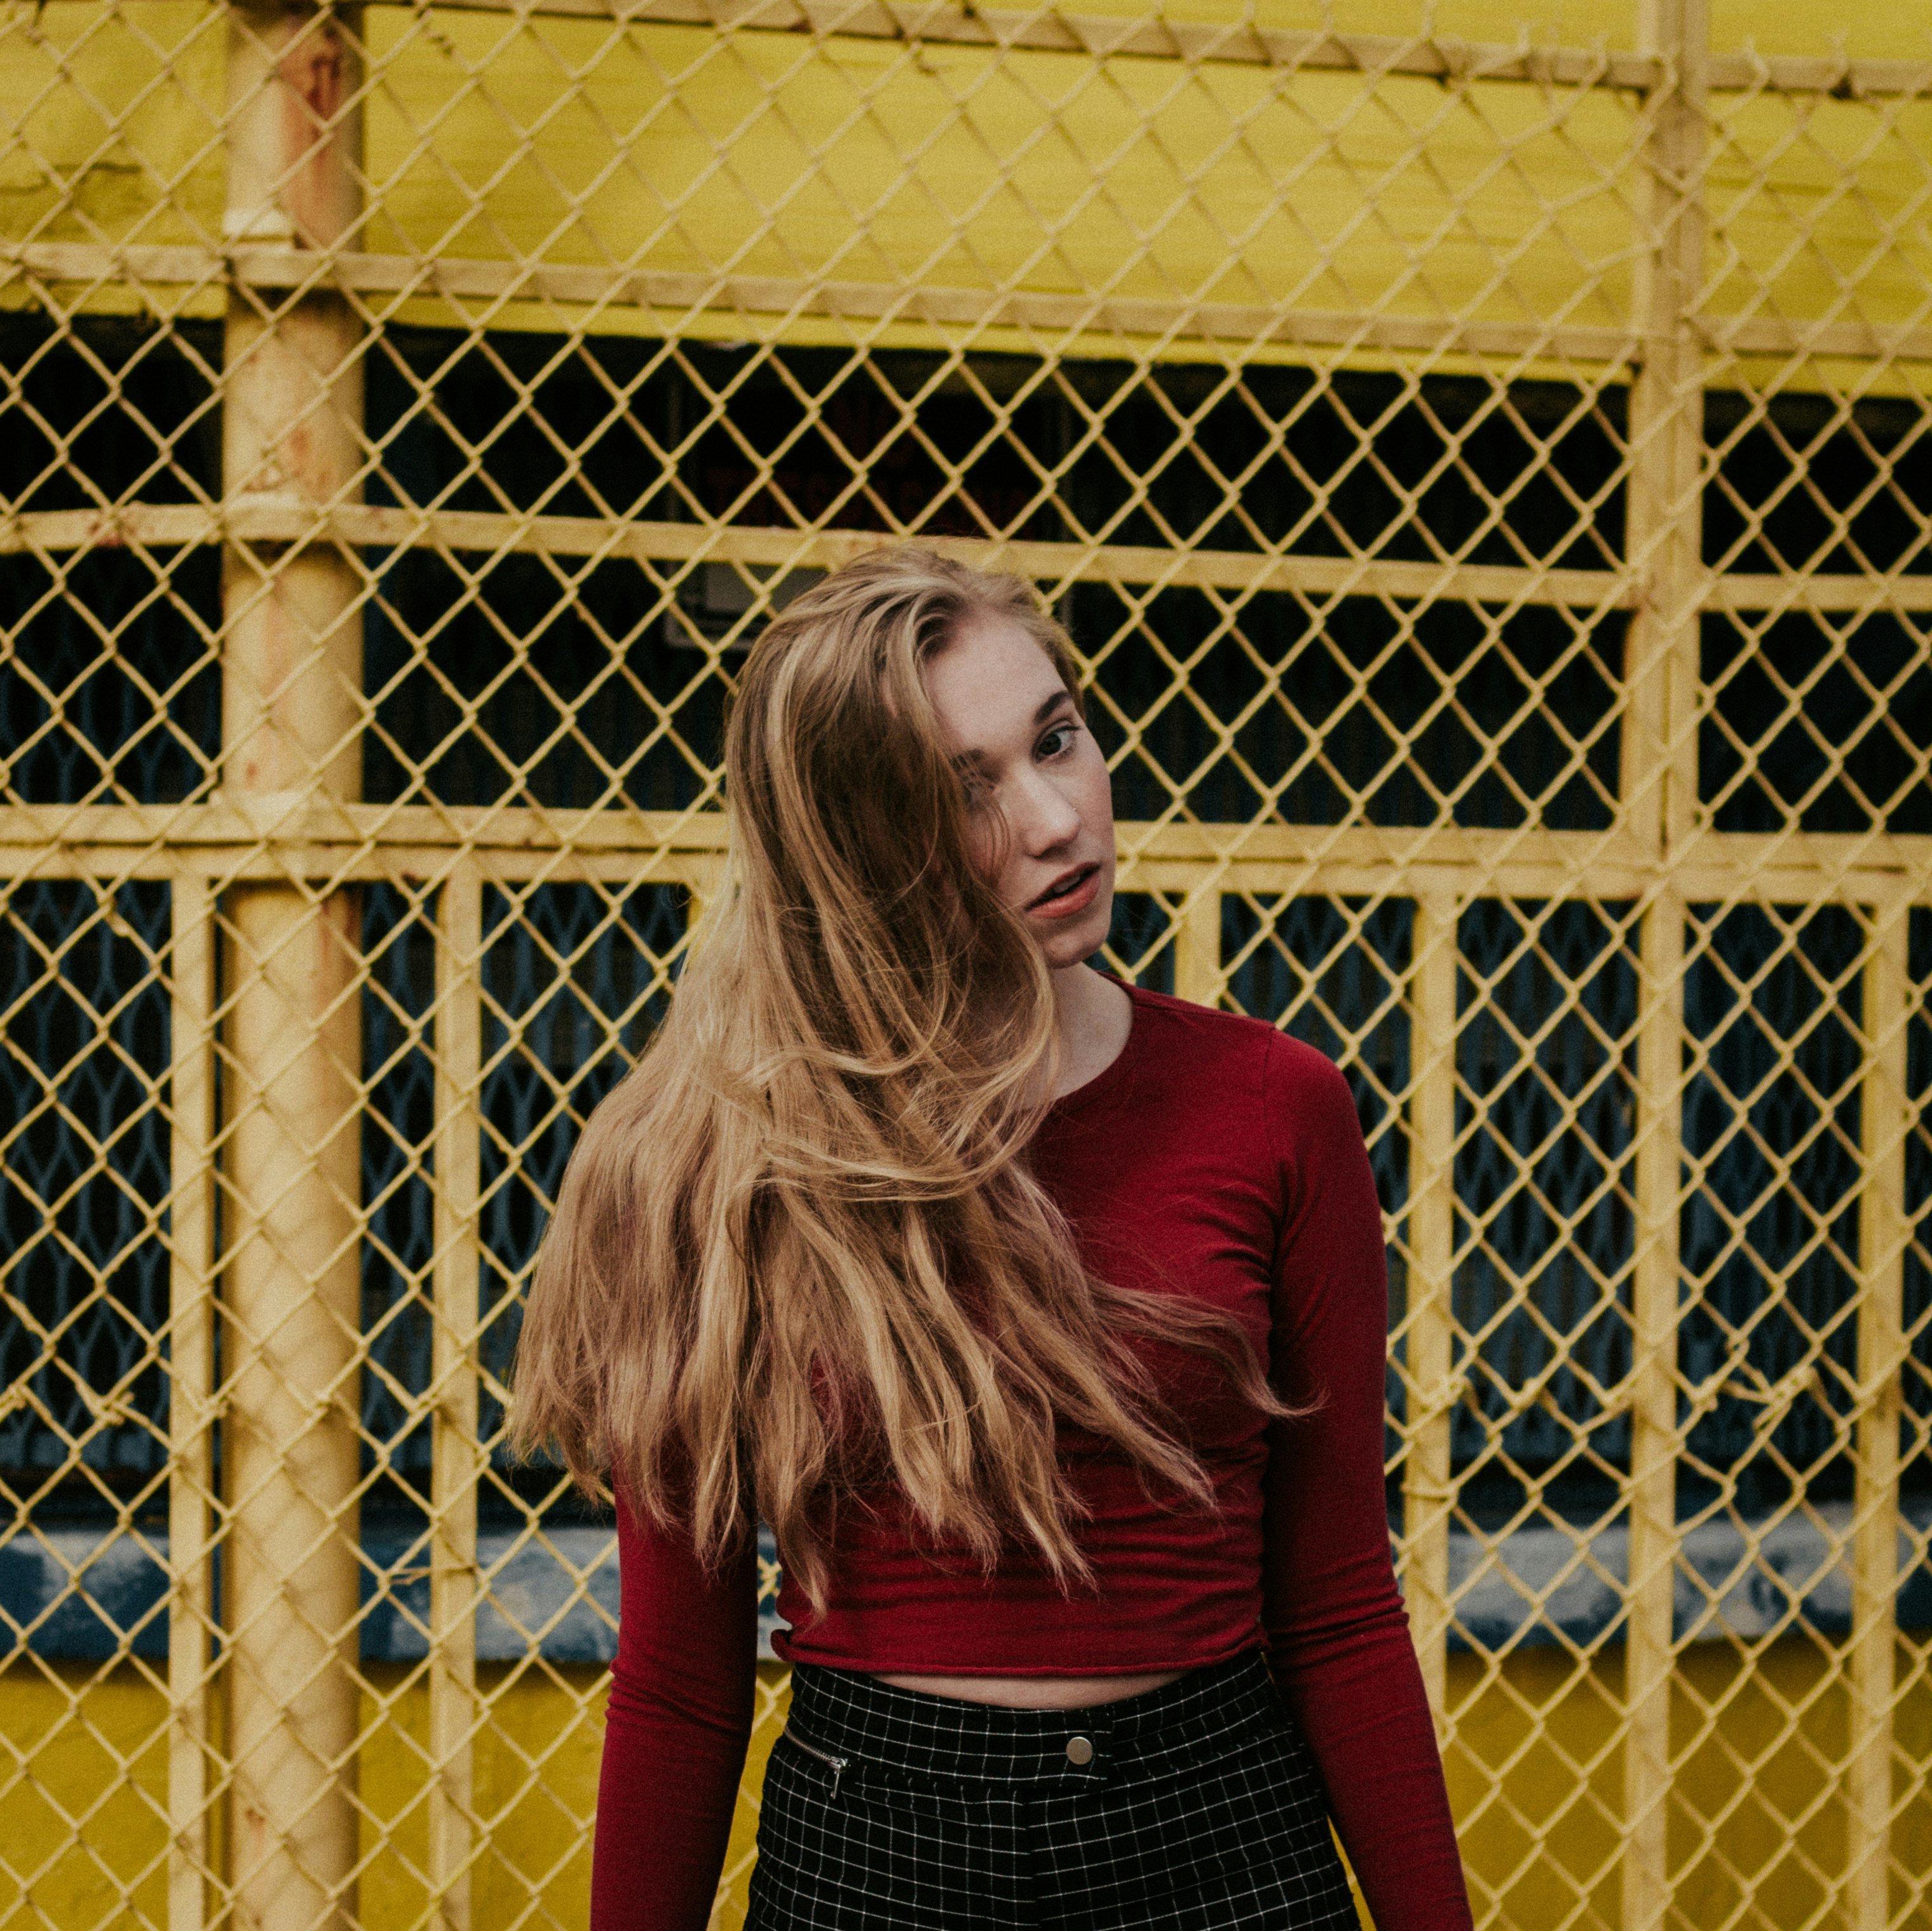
1489,486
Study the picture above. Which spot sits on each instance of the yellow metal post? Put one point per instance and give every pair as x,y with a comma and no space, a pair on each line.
190,1388
1659,804
457,1462
1648,1652
291,717
1428,1496
1665,516
1884,1231
1198,975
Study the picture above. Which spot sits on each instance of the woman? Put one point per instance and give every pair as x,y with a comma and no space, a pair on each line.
1043,1319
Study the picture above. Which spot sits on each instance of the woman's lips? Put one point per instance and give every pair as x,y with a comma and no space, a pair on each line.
1082,895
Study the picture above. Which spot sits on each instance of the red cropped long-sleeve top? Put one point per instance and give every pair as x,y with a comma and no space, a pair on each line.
1214,1158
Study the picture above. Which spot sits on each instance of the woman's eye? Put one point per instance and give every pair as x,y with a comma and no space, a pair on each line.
1059,739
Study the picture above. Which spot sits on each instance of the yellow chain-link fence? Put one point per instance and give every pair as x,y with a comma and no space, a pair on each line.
1489,478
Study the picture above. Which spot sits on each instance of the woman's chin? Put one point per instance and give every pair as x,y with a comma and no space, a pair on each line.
1076,946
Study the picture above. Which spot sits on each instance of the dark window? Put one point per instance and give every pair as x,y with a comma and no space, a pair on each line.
1331,971
1773,1005
85,1091
575,978
1817,482
1817,723
1545,1110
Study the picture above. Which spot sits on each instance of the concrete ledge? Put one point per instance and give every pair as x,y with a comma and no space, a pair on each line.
1544,1585
82,1595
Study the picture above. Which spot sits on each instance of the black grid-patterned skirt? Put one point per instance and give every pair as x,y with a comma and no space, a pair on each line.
1193,1808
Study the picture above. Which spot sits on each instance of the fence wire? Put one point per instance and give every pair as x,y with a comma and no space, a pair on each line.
1490,486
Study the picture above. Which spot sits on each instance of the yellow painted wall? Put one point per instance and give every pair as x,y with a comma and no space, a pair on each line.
667,148
1539,1804
83,1835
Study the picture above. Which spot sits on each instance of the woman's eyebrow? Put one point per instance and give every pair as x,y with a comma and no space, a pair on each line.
962,759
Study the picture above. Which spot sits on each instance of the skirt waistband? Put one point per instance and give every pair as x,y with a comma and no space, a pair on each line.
854,1723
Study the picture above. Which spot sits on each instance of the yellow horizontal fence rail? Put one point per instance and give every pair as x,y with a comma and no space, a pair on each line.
1489,486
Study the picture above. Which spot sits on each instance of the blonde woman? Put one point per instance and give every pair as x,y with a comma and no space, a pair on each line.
1042,1318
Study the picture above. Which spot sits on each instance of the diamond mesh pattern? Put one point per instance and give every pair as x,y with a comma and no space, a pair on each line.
1488,483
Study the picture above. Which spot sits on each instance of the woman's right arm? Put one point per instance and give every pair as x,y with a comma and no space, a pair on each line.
1339,1637
679,1716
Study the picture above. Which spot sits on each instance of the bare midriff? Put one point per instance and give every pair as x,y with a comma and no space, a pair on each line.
1037,1693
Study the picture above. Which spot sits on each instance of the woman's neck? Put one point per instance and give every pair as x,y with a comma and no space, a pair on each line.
1095,1016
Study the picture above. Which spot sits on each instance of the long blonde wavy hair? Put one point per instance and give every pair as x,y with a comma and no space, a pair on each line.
798,1251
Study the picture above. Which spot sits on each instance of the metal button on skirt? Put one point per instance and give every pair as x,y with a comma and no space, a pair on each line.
1193,1808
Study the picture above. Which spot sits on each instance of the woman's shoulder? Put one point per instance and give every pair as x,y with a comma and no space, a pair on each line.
1210,1039
1234,1069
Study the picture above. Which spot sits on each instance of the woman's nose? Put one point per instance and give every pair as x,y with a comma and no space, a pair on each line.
1043,817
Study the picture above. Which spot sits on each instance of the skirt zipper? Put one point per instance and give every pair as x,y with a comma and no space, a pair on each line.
837,1765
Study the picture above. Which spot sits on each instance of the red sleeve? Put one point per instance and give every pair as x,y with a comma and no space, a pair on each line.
1338,1634
674,1737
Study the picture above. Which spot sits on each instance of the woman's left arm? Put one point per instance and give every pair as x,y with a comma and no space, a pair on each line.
1338,1634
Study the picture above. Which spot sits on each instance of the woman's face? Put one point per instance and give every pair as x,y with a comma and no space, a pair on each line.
1026,758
